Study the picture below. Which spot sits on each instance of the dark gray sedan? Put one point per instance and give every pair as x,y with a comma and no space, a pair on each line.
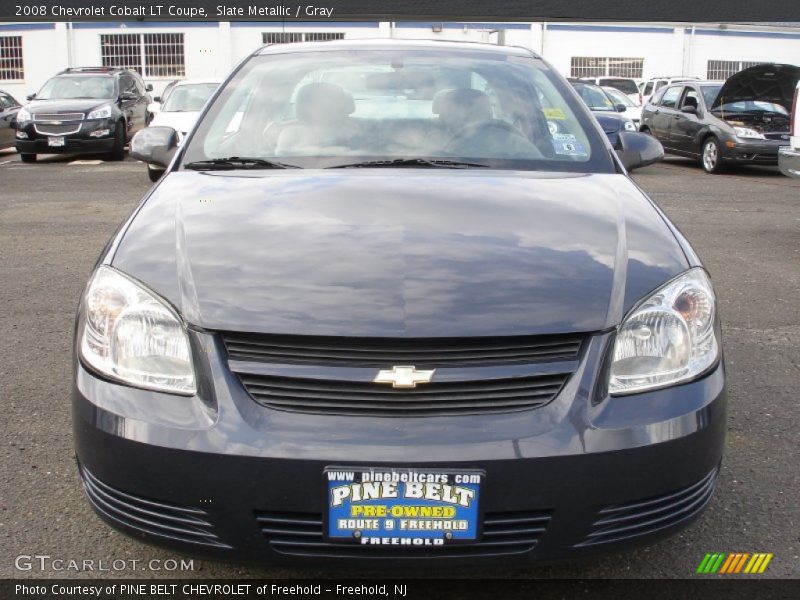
741,121
9,108
377,312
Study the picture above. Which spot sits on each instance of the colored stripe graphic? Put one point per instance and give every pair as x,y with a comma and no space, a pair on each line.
734,563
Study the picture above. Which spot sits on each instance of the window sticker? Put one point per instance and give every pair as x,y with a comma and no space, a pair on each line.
566,144
554,113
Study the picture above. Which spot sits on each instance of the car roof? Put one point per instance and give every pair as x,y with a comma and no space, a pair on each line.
182,82
394,44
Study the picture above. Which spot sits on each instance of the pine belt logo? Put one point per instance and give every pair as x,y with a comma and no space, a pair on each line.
734,563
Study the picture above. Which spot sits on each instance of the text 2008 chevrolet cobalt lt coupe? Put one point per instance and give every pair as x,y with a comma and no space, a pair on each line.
399,302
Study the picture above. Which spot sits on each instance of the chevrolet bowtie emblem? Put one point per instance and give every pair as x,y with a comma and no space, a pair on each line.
403,377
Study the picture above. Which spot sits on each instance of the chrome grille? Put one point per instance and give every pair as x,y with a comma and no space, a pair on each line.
383,352
431,399
64,129
180,523
301,534
58,117
624,521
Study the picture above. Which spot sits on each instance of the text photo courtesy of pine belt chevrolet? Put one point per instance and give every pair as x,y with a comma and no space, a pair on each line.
83,110
380,308
743,120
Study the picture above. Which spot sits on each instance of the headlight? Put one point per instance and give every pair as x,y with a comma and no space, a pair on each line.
104,112
130,335
668,338
630,126
747,133
23,115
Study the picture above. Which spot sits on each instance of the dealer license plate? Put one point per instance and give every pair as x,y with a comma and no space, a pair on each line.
402,507
55,141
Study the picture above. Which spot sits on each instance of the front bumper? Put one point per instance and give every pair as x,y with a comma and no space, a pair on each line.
760,152
221,476
789,161
79,142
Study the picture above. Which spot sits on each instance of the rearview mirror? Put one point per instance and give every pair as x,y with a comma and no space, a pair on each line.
638,150
155,145
620,107
689,110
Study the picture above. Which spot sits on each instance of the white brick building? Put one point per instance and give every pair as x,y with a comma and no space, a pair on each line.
32,52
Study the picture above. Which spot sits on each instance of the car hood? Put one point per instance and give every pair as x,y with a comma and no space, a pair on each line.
179,121
75,105
765,83
390,252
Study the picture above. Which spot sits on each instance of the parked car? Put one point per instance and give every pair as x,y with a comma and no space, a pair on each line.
789,156
331,333
744,120
9,108
181,109
632,110
654,84
626,85
83,110
605,110
155,106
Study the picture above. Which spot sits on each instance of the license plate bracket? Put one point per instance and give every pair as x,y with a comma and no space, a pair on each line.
407,507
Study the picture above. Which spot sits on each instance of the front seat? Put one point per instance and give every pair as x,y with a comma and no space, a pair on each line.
323,125
461,107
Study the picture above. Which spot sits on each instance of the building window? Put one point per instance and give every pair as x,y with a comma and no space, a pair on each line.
596,66
287,37
722,69
11,68
149,54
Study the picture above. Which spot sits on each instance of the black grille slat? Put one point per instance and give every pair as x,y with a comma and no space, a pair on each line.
422,352
435,398
183,524
651,515
302,535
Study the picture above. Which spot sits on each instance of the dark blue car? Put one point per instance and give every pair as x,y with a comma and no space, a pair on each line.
377,309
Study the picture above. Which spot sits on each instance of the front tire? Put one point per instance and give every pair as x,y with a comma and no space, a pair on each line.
711,156
154,174
28,158
118,152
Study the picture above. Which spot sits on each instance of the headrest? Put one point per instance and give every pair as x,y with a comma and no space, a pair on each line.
323,102
463,101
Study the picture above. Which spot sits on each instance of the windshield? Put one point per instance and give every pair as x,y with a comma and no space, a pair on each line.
190,97
73,87
595,98
750,106
710,93
627,86
339,108
619,97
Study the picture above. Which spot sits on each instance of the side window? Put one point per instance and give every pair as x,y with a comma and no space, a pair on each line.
139,83
670,97
648,88
5,101
126,84
690,98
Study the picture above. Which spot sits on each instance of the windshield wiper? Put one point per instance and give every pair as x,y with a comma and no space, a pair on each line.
237,162
411,162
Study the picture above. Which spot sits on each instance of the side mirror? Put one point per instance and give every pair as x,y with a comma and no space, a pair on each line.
689,110
30,97
620,107
157,98
148,87
638,150
155,145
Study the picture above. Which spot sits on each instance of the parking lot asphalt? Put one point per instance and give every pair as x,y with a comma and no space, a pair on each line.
56,216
